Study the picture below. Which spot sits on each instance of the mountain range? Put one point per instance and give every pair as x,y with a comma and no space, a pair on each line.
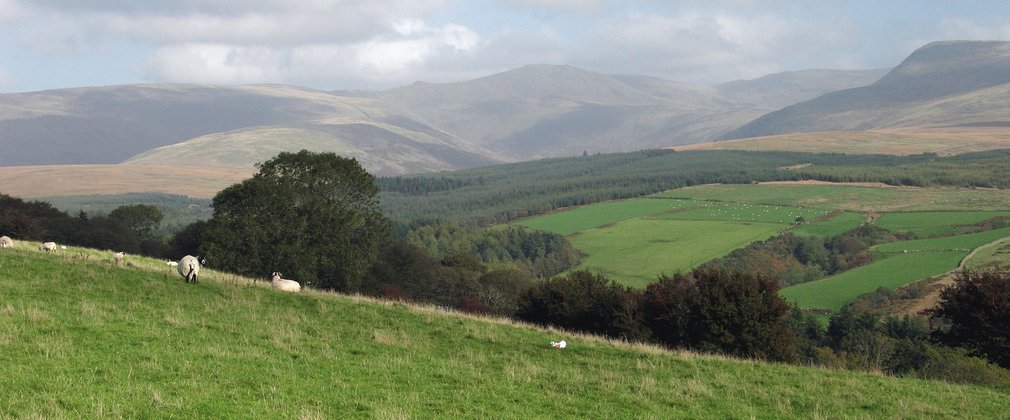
526,113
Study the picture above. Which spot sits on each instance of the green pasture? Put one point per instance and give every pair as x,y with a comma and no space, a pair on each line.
849,197
595,215
743,213
635,252
85,339
960,242
892,272
836,224
995,257
930,223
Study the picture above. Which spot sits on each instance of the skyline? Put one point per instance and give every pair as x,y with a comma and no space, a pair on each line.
333,44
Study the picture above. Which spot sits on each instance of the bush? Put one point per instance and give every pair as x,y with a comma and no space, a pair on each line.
582,301
975,312
716,310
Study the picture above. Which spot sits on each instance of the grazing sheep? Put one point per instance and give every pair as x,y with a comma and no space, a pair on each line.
119,257
6,242
189,267
284,285
172,263
48,247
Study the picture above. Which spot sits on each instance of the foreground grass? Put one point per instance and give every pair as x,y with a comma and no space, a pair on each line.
82,338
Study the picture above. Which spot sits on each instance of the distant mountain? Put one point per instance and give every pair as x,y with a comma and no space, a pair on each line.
941,84
215,125
783,89
530,112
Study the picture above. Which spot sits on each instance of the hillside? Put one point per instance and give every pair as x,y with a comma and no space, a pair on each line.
105,125
787,88
530,112
85,338
944,141
959,83
545,110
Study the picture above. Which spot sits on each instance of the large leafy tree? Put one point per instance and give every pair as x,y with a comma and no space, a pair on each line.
314,217
974,313
142,219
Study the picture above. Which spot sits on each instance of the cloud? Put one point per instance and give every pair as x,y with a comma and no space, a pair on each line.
10,11
578,6
709,47
393,56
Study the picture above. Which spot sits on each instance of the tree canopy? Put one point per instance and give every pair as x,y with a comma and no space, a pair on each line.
314,217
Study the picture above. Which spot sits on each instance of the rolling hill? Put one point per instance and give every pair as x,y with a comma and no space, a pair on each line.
84,338
530,112
957,83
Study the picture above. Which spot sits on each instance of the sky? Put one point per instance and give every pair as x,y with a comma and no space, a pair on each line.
380,44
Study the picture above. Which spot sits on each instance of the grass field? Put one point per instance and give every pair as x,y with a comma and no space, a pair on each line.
933,222
82,338
850,197
833,292
744,213
959,242
835,225
588,217
635,252
995,257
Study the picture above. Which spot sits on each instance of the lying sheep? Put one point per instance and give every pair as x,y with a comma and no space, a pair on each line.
48,247
172,263
118,257
6,242
189,267
284,285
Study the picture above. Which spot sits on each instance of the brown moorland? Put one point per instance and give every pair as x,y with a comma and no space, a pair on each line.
61,180
942,141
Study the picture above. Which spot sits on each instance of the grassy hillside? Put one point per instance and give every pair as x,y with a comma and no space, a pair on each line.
942,141
83,338
940,84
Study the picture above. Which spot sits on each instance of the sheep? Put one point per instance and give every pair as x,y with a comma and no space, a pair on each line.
118,257
284,285
172,263
189,267
48,247
6,242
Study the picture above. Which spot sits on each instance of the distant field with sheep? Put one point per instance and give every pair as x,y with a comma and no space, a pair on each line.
83,337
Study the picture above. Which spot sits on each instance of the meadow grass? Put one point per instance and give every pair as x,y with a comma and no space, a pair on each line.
592,216
833,292
933,222
995,257
83,338
784,215
849,197
636,252
966,242
836,224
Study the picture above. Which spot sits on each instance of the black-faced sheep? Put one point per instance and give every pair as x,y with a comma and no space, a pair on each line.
189,267
48,247
284,285
118,257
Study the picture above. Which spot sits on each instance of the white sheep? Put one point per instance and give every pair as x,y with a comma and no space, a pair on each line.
559,344
284,285
48,247
189,267
172,263
6,242
118,257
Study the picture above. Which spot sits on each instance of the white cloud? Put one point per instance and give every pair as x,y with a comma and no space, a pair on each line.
395,56
579,6
215,63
